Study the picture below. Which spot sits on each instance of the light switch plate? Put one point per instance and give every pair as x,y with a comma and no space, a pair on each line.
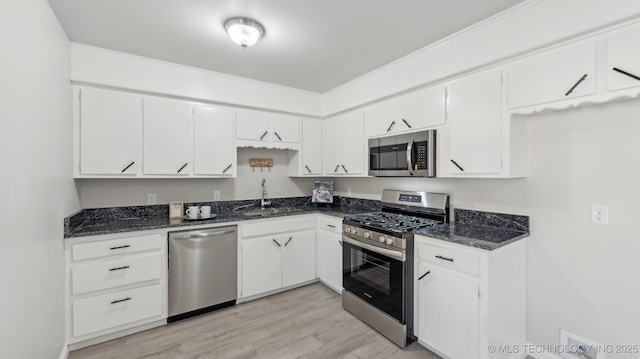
151,198
216,195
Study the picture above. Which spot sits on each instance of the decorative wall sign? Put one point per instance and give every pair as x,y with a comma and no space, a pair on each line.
261,162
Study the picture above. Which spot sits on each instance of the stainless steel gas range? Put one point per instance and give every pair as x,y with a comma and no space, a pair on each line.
377,258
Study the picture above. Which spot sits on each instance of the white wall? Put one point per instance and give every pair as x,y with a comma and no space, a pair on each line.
36,175
582,277
95,193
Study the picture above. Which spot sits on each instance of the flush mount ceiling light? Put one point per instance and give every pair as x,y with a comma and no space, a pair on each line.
244,32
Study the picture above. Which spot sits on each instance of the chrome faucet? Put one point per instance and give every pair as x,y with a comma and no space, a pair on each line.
264,201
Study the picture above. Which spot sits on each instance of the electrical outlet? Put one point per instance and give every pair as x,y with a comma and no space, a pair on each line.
151,198
216,195
599,214
577,347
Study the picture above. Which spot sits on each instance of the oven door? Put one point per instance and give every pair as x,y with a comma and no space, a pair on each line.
376,275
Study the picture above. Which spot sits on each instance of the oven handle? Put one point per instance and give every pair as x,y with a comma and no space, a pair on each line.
399,255
409,155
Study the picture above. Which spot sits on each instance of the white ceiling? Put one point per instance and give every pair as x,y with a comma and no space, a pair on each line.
313,45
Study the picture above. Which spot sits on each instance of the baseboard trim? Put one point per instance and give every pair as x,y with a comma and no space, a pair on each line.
65,352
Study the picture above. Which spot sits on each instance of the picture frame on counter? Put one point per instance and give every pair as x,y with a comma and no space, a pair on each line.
176,209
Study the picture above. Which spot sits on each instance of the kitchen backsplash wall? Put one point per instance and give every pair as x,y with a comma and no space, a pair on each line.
97,193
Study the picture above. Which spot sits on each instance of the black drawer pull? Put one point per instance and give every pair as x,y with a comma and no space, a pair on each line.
626,73
118,268
391,126
290,238
121,300
126,168
276,242
183,166
457,165
445,258
576,85
226,169
264,134
331,225
424,275
406,123
120,247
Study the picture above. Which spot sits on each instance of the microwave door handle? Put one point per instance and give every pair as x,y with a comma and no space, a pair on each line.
409,153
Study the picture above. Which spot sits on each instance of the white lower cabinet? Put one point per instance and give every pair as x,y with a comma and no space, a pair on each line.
329,251
114,283
468,298
277,253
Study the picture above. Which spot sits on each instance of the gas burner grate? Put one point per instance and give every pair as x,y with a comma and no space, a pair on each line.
394,222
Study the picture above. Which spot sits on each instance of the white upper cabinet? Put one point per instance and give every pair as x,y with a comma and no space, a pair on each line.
261,129
556,75
167,137
411,112
343,145
110,128
422,109
623,68
475,124
214,152
308,161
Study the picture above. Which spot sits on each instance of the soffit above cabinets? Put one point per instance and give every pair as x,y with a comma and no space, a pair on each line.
309,45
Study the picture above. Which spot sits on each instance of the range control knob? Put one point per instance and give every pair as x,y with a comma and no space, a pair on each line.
390,240
367,235
382,239
354,230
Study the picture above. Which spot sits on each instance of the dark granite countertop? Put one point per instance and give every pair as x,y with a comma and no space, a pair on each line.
485,230
101,221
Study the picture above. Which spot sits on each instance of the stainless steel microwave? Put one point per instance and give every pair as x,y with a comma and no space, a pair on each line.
406,155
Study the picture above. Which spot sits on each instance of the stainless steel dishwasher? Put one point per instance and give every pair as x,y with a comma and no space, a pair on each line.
203,267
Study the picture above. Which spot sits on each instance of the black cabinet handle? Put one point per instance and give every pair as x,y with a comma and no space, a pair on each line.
457,165
121,300
340,243
406,123
226,169
275,133
344,168
331,225
307,167
424,275
445,258
120,247
264,134
576,85
391,126
126,168
290,238
336,170
118,268
626,73
183,166
276,242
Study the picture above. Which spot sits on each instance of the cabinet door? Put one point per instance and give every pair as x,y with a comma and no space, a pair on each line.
381,119
448,312
167,137
110,132
285,129
261,265
299,257
311,147
252,125
330,258
624,60
422,109
475,124
214,151
352,147
331,145
556,75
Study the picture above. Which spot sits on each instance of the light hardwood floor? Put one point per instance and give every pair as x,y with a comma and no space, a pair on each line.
306,322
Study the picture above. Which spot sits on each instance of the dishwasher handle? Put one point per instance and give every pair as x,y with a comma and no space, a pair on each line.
204,234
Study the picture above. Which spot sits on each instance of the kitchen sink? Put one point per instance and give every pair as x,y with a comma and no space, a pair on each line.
269,211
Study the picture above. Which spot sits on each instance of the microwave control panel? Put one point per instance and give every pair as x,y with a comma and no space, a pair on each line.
421,160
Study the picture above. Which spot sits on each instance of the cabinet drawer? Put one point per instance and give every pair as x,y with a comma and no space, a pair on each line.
332,224
109,274
115,246
464,262
111,310
289,225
